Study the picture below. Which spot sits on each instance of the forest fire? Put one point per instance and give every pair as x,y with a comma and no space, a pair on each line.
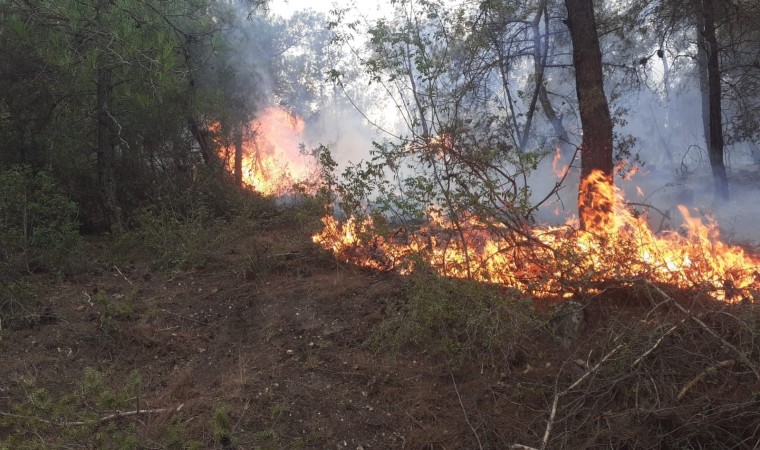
617,246
271,161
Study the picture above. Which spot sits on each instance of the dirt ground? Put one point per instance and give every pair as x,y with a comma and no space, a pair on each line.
278,331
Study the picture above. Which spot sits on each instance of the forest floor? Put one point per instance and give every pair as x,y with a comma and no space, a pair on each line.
275,344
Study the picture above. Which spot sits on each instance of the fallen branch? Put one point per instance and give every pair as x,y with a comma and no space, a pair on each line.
701,376
466,418
657,344
709,330
557,395
122,275
108,418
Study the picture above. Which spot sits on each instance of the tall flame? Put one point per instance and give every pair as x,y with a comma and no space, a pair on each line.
544,261
271,160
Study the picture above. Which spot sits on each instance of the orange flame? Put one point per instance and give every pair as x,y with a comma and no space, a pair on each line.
558,170
545,261
272,162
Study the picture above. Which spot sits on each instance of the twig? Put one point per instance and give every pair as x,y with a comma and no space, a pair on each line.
557,395
665,215
464,411
657,344
592,370
284,254
712,333
122,275
108,418
550,422
89,298
700,376
240,419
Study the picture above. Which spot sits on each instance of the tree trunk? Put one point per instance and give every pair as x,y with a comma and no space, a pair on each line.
239,154
203,138
105,139
711,106
596,146
543,97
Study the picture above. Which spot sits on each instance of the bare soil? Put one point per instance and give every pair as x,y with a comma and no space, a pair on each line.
278,331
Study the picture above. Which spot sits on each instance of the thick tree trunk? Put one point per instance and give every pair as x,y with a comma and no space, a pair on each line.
596,146
105,139
711,109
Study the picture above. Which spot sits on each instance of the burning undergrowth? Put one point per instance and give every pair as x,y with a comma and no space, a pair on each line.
271,158
616,246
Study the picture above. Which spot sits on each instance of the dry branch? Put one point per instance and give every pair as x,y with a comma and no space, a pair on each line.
122,274
709,330
466,418
104,419
702,375
657,344
557,395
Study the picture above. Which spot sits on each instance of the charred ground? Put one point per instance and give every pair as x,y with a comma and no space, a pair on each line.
271,343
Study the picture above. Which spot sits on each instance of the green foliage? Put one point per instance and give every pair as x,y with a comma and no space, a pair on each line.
175,439
176,242
458,320
116,308
75,419
14,298
38,226
54,53
220,424
183,227
46,420
466,152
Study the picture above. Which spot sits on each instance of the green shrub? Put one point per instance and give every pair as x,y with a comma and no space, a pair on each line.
86,416
38,224
72,419
15,297
182,229
459,320
220,423
176,241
